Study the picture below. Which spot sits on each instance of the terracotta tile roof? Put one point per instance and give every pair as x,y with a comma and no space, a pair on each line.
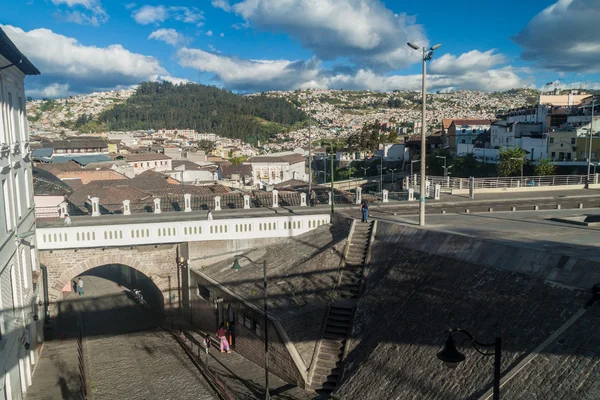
458,122
46,184
446,122
144,157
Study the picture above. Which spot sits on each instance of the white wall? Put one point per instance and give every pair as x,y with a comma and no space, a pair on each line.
277,172
17,296
156,165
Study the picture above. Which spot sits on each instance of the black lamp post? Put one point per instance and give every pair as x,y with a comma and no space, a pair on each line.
236,267
452,357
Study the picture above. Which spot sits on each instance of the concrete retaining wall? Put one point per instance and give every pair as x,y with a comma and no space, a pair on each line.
522,189
555,268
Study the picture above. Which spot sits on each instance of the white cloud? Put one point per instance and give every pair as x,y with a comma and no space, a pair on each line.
169,36
364,30
564,37
209,33
129,6
473,60
94,14
51,91
222,4
250,75
172,79
63,61
150,14
156,14
222,34
261,75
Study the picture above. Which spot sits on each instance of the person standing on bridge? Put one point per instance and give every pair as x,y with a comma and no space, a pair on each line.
364,209
80,286
222,335
209,216
313,198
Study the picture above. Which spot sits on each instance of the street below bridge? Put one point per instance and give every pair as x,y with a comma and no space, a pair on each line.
128,355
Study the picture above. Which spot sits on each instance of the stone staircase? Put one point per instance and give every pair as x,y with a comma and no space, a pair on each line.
328,369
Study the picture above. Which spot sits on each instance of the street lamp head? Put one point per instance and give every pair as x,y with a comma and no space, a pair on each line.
449,354
412,46
236,265
437,46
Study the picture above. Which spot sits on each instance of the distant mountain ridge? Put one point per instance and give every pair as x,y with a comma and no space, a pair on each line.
203,108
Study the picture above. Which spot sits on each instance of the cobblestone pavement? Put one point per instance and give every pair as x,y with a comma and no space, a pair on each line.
128,355
243,377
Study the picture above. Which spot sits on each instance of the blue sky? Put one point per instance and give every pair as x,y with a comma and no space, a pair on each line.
255,45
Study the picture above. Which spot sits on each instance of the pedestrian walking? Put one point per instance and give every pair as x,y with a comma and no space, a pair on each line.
80,286
206,343
222,335
75,287
364,209
209,216
67,220
313,198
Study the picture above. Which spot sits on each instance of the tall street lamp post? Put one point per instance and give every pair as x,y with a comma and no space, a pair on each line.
381,176
452,357
236,267
426,56
393,170
445,170
411,167
309,148
591,135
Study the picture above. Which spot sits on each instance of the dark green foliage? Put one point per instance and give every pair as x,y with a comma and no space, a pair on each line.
203,108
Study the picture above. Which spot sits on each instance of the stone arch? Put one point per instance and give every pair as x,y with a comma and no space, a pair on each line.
130,261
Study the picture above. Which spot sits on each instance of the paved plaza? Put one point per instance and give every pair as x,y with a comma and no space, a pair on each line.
128,355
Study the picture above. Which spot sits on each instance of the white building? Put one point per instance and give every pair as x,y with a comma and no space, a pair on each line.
392,152
527,136
20,281
206,136
278,167
146,161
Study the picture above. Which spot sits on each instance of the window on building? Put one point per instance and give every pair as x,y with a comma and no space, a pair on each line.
551,140
33,261
203,292
568,156
572,140
553,155
464,131
463,141
24,269
474,130
26,186
18,195
14,288
6,199
10,111
22,120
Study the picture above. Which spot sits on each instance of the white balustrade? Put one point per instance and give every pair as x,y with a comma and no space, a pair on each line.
246,202
217,203
187,200
275,198
302,199
437,191
126,207
176,232
157,206
95,206
63,208
384,196
411,194
358,197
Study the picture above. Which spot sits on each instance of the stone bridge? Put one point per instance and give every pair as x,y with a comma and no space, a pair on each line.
155,247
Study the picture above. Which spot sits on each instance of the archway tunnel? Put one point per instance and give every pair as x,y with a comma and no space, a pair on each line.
102,300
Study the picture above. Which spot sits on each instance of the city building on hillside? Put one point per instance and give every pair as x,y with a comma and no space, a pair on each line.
527,136
48,192
212,137
392,152
89,173
78,145
147,161
21,318
192,173
465,131
278,167
562,145
173,133
240,174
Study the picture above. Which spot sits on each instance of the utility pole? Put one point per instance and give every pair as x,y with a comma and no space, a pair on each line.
426,56
309,148
591,137
332,179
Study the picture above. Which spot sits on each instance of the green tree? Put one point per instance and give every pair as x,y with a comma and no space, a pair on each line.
206,145
511,161
544,167
393,137
465,166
